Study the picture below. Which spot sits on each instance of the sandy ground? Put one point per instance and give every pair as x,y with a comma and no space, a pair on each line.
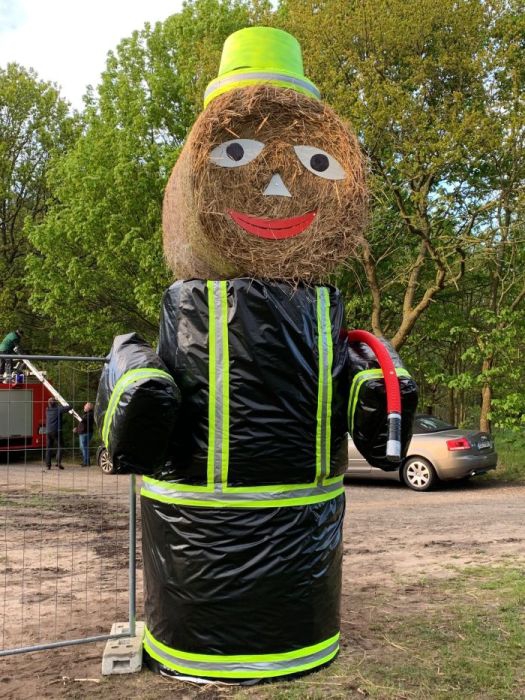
63,568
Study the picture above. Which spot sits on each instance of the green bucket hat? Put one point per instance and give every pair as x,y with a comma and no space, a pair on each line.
258,55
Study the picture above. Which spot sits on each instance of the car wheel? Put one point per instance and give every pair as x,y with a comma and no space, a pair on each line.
104,461
419,474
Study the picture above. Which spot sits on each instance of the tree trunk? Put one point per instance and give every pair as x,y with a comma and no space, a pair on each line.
452,415
486,397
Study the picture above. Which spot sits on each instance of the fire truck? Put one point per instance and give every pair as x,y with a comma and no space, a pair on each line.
23,403
23,415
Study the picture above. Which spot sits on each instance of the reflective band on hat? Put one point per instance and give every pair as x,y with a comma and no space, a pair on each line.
239,80
358,381
240,665
134,376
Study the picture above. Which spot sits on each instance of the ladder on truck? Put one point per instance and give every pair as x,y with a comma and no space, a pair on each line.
41,378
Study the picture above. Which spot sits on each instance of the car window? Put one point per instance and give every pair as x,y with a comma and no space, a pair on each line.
430,424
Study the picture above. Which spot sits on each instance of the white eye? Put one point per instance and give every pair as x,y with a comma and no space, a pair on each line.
232,154
320,162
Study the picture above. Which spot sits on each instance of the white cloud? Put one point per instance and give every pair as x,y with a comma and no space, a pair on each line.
67,41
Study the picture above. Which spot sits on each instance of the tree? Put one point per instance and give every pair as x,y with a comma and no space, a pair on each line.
502,177
411,76
100,268
35,126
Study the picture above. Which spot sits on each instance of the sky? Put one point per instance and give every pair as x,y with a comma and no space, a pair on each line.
67,41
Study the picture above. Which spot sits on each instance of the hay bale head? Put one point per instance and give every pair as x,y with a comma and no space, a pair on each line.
270,184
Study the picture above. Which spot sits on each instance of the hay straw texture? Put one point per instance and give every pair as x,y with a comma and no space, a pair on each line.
200,237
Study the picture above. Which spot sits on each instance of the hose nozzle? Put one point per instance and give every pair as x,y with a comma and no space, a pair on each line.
393,445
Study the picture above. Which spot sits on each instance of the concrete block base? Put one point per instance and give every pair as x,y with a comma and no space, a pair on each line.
123,655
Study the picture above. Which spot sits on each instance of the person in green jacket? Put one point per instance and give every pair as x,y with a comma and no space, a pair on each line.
9,345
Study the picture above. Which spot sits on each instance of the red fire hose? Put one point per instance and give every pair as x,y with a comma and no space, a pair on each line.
393,395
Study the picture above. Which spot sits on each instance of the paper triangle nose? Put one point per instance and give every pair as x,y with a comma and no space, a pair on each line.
277,187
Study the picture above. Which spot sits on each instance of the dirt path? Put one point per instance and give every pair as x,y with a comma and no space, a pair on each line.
393,538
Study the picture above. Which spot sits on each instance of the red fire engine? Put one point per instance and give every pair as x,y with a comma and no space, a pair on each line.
23,414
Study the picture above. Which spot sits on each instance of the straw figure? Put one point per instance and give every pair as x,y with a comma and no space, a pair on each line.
239,422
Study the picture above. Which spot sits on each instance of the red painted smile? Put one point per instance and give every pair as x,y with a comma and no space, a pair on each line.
274,229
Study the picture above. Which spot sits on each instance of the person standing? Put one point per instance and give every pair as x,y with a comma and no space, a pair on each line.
9,345
84,430
54,414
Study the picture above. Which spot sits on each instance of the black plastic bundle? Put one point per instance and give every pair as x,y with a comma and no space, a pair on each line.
137,406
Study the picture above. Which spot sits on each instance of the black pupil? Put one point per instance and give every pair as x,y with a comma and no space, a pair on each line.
319,162
235,151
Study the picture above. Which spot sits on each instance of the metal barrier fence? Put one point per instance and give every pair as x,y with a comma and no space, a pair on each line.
67,536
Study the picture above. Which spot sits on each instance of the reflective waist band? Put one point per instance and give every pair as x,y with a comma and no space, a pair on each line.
221,496
242,666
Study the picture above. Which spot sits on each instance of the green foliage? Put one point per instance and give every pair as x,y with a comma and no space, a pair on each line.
510,446
99,270
34,127
435,93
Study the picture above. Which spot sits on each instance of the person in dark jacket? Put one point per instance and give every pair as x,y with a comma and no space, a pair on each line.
84,430
54,414
9,345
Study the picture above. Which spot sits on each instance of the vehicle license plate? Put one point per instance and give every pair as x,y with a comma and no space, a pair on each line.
483,444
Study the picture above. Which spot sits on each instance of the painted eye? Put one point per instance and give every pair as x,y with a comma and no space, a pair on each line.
232,154
320,162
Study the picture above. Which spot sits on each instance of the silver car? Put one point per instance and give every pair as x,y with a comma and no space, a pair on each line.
437,451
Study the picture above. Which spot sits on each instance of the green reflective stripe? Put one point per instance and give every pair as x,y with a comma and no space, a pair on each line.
233,658
288,503
212,372
219,379
358,381
241,665
126,380
225,378
278,496
324,393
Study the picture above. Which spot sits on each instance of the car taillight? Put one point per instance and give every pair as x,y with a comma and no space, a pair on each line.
458,444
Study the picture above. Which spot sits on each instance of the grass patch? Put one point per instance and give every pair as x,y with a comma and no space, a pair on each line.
510,447
459,638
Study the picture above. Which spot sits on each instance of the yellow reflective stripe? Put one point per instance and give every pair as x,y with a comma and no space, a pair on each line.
211,383
324,392
235,658
268,488
150,484
358,381
124,382
242,665
330,357
219,385
318,434
227,503
225,371
256,673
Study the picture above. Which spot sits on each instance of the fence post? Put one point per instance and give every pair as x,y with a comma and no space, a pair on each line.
132,554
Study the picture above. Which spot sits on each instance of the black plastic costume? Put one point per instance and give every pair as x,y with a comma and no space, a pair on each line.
243,502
